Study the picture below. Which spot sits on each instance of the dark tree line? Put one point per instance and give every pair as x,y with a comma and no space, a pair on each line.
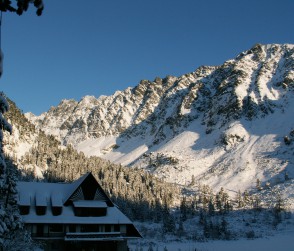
12,236
140,194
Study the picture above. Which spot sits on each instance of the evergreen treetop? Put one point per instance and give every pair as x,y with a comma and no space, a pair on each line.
20,6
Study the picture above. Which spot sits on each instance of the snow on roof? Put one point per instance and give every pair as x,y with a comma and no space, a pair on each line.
24,199
90,203
56,199
41,192
35,194
113,216
38,192
41,200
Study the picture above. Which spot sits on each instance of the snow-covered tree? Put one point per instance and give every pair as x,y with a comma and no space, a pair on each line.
10,221
168,222
12,234
180,229
20,6
8,214
183,209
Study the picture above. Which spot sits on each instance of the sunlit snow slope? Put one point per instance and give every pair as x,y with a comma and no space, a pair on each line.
226,125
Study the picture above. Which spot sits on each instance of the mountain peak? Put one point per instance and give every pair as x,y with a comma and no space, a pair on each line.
212,116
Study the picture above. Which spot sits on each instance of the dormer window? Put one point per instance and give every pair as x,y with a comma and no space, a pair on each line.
84,208
23,210
56,203
40,210
24,203
41,203
56,210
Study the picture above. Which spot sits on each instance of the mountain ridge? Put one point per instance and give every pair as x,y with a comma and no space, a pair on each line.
214,124
146,95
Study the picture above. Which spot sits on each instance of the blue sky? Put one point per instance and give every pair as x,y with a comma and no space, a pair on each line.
79,48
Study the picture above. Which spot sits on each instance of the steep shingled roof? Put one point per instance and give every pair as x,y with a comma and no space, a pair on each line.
34,194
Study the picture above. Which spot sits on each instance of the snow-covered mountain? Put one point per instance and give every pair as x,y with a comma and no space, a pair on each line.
226,125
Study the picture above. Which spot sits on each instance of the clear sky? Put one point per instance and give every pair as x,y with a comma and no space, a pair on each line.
96,47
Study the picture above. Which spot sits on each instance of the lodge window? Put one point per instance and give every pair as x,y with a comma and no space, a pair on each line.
56,211
55,228
116,228
85,208
40,230
83,212
40,210
90,228
23,210
107,228
72,228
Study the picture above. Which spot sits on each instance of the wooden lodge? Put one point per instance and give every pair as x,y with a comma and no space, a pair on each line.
74,216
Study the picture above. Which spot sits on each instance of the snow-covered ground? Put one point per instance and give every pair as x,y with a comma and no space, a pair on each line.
267,236
282,242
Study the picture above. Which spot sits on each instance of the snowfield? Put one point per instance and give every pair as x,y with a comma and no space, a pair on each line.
233,158
281,241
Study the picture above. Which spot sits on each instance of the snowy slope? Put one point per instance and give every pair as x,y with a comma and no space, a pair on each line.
282,241
225,125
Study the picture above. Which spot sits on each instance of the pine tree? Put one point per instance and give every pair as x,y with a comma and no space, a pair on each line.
239,200
150,247
256,202
180,230
168,222
206,230
202,217
211,208
5,184
286,176
12,235
183,209
224,229
280,203
258,184
246,198
157,211
22,5
193,180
